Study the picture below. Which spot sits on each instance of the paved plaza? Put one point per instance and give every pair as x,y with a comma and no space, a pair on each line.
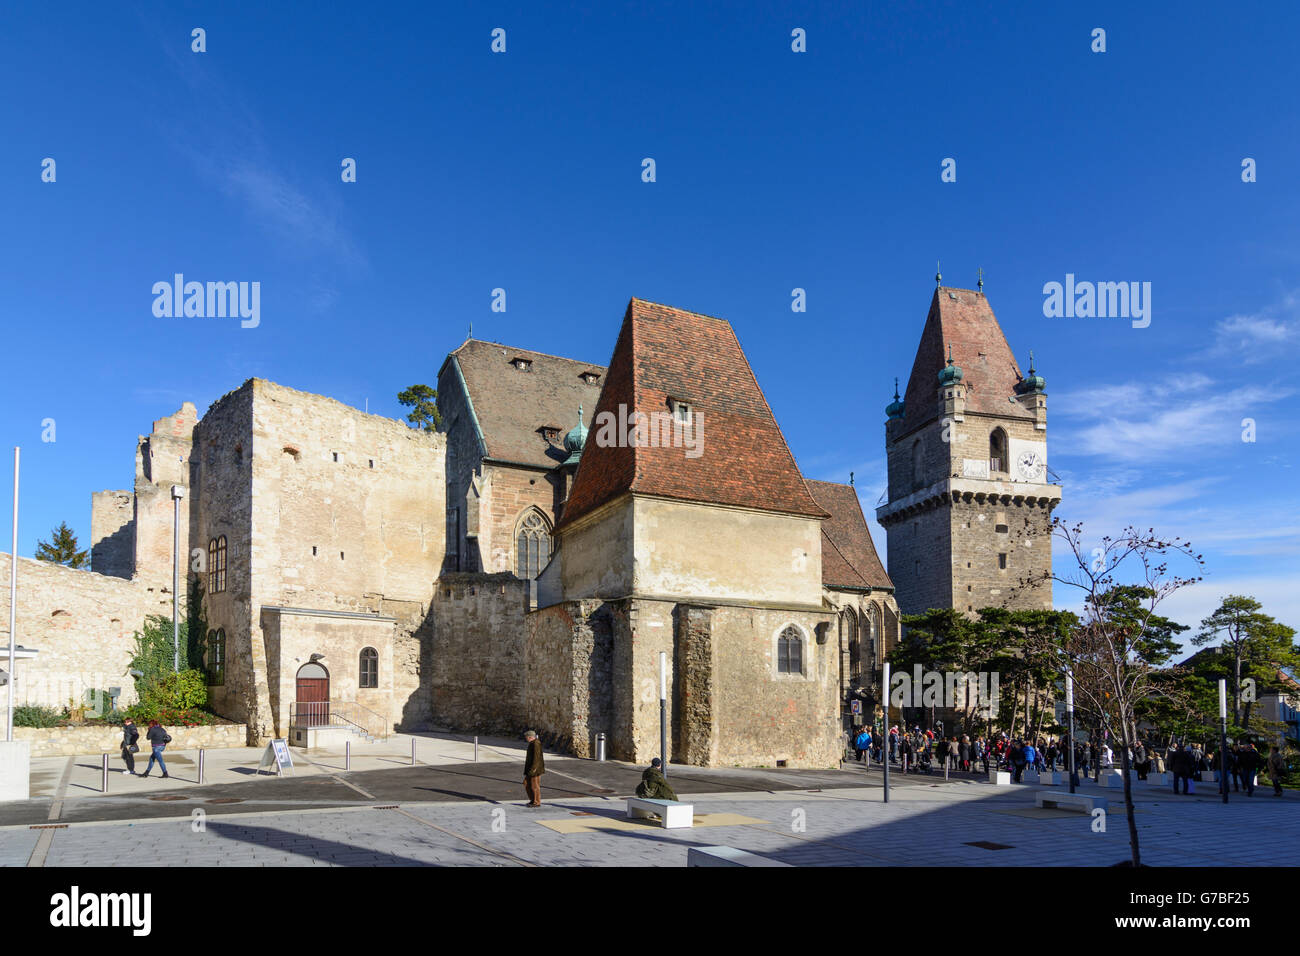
453,811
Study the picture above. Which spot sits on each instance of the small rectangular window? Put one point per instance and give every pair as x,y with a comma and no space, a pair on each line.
336,456
313,550
372,463
1002,561
340,555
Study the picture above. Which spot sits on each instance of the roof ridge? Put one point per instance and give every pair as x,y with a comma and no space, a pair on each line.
517,348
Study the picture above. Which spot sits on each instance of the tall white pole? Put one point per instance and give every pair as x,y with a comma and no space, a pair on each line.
663,711
13,605
176,585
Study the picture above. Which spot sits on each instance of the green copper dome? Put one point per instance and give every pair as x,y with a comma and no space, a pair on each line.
575,440
895,408
1033,382
952,374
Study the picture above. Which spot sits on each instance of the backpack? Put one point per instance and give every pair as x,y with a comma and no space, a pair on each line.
167,738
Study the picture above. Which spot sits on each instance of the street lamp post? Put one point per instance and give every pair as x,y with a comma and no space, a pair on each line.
663,710
884,740
1069,708
1223,738
177,494
13,606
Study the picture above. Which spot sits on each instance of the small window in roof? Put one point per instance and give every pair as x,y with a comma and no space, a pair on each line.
522,364
591,378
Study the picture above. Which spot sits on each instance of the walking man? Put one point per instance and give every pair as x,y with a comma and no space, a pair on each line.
1276,770
534,767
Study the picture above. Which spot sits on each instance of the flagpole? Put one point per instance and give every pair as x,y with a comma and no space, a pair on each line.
13,606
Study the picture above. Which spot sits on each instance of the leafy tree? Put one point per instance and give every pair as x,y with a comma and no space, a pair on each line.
63,549
422,400
1258,645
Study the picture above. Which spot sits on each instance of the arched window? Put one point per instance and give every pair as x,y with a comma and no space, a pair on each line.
873,634
369,667
998,451
532,544
214,661
849,628
217,565
789,651
916,465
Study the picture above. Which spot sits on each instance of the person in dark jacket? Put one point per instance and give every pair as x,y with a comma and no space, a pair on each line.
1248,762
534,767
158,741
130,734
1017,757
654,785
1180,765
1140,760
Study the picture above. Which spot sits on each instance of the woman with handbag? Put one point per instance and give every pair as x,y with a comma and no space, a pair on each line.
130,734
158,741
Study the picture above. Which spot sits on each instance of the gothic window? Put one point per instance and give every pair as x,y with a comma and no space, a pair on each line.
789,651
215,658
849,628
533,544
998,451
916,464
873,633
217,565
369,668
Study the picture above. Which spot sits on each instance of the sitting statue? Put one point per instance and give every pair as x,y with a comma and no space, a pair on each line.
653,785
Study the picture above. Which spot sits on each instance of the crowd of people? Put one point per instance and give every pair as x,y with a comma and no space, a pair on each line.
924,751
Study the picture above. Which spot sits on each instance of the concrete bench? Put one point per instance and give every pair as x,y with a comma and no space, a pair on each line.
1111,780
672,814
1054,800
1158,779
1048,778
1000,778
726,856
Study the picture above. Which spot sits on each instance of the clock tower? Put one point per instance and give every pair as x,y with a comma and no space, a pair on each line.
970,498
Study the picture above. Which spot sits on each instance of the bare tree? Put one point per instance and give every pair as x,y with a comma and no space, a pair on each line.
1114,649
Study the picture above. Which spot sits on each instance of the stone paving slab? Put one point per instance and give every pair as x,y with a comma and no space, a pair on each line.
924,824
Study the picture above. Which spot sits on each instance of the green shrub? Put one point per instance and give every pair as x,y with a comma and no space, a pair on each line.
177,691
32,716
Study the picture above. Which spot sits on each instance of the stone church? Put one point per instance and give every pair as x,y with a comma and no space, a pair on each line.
527,564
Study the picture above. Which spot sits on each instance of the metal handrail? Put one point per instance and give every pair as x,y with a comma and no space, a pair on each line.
337,714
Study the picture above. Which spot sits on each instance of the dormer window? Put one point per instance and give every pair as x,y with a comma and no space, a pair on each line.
523,364
550,432
591,378
681,411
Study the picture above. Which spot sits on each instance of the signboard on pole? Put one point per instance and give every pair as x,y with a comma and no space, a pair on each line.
276,756
855,706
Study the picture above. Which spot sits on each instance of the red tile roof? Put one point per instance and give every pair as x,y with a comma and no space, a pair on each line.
963,319
664,353
849,558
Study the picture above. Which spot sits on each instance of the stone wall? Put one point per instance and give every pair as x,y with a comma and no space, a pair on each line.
568,686
223,507
68,741
707,552
82,623
112,533
478,658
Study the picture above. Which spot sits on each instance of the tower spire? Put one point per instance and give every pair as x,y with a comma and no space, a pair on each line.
938,276
980,285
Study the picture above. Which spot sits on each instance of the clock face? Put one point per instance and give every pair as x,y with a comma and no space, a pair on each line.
1029,464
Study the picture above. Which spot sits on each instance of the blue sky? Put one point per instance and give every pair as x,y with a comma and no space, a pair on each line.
775,170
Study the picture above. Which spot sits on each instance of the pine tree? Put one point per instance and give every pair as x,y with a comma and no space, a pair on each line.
63,550
424,408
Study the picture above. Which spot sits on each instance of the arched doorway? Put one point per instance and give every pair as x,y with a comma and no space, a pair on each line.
313,695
